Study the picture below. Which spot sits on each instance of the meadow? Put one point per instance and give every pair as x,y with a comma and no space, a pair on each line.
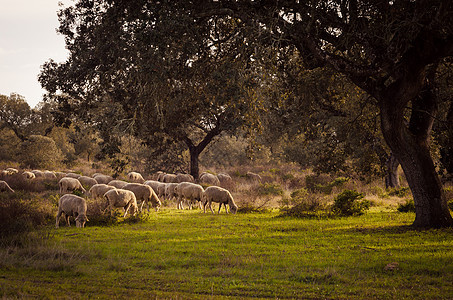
176,254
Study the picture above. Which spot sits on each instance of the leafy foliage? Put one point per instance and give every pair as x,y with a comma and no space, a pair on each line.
408,206
349,203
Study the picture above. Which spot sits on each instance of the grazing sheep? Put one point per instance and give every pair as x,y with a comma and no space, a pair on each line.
98,190
184,178
60,174
118,183
11,171
121,198
169,178
4,173
73,175
158,187
218,195
170,191
38,173
209,179
75,206
192,192
49,175
68,184
159,175
253,176
28,175
145,194
4,187
87,181
100,178
135,177
225,180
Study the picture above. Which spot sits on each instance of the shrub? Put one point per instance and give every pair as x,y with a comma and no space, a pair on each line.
401,192
301,204
408,206
40,152
270,189
349,203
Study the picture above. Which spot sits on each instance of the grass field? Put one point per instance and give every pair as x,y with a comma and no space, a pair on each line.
189,255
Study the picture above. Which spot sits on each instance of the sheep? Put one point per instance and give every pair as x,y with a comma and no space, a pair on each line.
98,190
219,195
170,191
209,179
253,176
121,198
225,180
184,178
100,178
158,187
68,184
4,173
38,173
73,175
4,187
72,205
87,181
118,183
28,175
167,178
60,175
12,171
49,175
144,193
135,177
190,191
159,175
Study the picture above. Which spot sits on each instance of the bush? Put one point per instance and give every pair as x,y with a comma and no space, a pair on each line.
270,189
408,206
304,205
348,203
401,192
40,152
19,217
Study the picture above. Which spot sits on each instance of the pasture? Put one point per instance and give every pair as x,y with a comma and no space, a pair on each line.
177,254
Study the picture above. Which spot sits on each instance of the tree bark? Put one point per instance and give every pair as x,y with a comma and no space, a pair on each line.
392,179
410,145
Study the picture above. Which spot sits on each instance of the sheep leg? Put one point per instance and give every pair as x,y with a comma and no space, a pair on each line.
220,206
126,209
67,220
210,206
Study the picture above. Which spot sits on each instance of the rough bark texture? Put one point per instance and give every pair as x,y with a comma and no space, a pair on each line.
392,179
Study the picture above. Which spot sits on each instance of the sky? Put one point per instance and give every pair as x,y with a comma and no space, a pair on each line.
28,39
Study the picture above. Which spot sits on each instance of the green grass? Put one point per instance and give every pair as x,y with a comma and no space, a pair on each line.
190,255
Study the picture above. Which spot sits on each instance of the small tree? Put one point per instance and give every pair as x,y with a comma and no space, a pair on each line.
40,152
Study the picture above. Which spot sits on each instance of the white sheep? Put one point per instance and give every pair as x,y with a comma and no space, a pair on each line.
73,175
38,173
170,191
101,178
209,179
98,190
254,177
4,187
68,184
75,206
118,183
135,177
192,192
12,171
218,195
49,175
167,178
225,180
184,178
87,181
121,198
158,187
28,175
145,194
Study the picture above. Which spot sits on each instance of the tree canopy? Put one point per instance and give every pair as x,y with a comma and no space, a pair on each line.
170,69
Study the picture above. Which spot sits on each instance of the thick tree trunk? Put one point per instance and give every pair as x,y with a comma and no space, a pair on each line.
410,145
194,162
392,179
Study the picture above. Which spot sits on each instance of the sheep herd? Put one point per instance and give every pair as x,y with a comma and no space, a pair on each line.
132,193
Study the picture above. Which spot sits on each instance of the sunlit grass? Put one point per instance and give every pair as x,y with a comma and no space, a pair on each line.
188,254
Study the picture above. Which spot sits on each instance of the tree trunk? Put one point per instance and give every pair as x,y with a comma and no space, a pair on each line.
194,162
410,145
392,179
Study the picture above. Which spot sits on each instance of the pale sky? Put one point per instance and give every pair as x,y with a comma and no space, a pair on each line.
28,38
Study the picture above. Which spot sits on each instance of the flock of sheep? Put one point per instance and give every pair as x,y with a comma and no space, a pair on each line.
132,193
